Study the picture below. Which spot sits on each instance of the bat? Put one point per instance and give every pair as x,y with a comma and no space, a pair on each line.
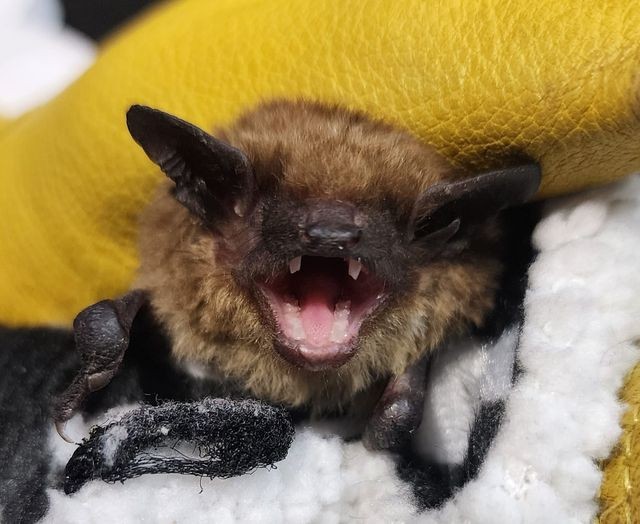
309,254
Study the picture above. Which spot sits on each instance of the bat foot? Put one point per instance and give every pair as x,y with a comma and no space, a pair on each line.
398,413
101,334
392,426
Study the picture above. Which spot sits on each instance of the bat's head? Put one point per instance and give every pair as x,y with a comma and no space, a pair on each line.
319,235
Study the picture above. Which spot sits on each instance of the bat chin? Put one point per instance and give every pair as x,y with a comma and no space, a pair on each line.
319,305
315,358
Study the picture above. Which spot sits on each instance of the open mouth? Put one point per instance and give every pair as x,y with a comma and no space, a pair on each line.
319,305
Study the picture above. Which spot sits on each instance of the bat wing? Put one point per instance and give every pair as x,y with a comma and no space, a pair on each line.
101,334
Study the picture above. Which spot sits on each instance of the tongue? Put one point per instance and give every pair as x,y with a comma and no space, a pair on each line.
317,303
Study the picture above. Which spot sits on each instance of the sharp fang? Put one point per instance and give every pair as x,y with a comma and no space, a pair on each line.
354,268
295,264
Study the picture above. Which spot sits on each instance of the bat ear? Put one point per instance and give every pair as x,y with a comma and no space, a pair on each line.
445,208
213,179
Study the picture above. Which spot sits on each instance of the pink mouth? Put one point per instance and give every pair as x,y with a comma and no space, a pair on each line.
319,305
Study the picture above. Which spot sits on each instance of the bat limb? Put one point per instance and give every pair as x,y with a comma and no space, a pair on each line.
398,413
101,334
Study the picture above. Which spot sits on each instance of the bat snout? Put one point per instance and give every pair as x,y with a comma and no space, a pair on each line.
330,235
331,227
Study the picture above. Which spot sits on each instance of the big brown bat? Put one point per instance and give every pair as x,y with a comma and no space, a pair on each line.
309,253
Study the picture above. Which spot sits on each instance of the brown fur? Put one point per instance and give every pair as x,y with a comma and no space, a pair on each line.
309,150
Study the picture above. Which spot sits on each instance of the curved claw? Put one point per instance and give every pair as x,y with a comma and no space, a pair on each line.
60,428
98,380
101,333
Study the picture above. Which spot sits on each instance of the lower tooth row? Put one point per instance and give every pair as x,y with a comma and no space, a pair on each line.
292,314
339,330
297,330
340,321
291,302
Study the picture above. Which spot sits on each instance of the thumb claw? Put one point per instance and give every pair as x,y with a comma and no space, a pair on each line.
60,428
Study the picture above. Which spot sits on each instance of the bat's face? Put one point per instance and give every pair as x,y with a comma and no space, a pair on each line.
319,236
321,270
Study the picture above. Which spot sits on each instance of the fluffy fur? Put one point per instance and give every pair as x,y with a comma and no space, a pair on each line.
303,150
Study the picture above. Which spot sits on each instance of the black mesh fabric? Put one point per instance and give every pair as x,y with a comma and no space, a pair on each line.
211,438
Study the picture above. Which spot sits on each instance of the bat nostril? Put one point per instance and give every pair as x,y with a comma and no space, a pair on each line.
332,235
329,227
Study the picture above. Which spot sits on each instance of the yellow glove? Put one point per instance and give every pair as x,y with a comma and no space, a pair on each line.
477,79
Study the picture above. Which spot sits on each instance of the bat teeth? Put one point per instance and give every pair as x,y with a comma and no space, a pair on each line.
340,328
295,264
355,267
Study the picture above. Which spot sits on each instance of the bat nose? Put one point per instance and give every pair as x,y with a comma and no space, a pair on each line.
330,227
333,235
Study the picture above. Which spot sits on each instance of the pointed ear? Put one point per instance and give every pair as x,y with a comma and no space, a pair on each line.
447,207
213,179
